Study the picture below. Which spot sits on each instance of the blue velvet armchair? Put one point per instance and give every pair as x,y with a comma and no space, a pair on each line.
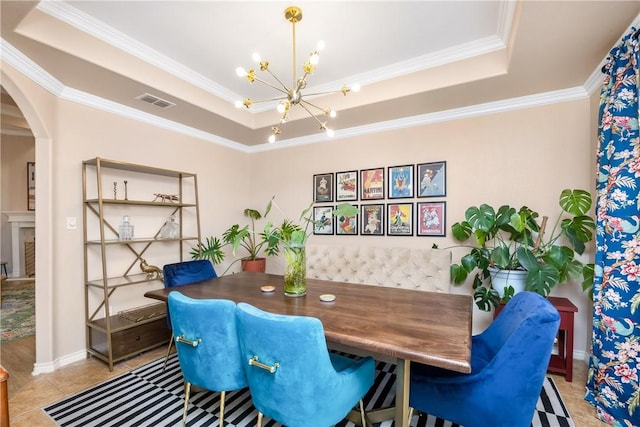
184,273
293,378
508,365
207,344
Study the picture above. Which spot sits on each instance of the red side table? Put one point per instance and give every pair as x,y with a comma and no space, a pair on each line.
563,361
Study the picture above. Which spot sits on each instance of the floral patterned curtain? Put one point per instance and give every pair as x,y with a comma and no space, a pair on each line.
612,383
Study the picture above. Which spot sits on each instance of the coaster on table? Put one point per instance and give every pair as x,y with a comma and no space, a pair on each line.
267,288
327,297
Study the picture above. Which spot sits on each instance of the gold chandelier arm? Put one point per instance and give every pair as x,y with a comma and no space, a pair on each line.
323,125
312,104
271,85
268,100
284,89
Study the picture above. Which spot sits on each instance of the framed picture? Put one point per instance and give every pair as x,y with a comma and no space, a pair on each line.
432,179
400,181
400,219
372,184
372,220
323,220
347,225
431,219
31,186
323,188
346,186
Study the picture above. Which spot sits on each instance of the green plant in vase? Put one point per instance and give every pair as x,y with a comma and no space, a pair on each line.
294,239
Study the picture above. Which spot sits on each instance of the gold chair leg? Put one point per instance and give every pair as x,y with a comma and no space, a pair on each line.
364,422
223,394
259,420
410,414
187,392
166,358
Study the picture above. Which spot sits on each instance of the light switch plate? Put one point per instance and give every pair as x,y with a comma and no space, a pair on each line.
71,223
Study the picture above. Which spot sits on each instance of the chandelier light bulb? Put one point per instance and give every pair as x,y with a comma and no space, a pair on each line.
330,133
315,58
256,57
239,104
355,87
272,139
321,45
241,72
332,114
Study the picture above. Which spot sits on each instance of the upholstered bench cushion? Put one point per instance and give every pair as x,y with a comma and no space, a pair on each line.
409,268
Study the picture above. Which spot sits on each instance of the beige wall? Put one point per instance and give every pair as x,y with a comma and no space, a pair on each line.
521,157
524,157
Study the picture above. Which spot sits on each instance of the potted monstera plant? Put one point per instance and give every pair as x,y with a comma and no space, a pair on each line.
518,242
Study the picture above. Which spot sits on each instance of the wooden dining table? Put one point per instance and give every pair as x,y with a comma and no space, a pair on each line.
390,324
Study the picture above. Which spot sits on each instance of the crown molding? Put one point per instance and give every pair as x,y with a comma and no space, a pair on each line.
529,101
86,23
30,69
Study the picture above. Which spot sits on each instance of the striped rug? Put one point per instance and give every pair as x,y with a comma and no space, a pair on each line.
147,396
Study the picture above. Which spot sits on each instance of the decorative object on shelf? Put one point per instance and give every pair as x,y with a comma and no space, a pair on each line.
164,197
125,229
292,95
170,229
115,190
153,272
511,239
126,196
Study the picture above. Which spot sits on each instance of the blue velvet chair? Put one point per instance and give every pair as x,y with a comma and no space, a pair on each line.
292,376
207,345
508,365
184,273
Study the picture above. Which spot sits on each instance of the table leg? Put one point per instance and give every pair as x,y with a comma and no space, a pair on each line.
402,392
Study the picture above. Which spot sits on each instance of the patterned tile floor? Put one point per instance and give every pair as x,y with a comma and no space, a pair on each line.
27,394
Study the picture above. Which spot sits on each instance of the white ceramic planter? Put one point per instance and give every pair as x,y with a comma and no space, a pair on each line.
503,278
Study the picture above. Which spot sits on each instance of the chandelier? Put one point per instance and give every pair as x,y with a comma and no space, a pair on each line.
293,95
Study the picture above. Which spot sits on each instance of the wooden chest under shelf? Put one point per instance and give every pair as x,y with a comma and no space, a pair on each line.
128,337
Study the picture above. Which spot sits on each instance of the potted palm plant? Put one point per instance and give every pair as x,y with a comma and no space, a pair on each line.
510,242
247,238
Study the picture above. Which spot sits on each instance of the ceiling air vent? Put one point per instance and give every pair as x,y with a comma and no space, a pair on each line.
152,99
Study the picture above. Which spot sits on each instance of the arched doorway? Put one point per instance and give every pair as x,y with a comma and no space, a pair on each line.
44,357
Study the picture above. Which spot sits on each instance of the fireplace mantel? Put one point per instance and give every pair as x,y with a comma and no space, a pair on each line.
19,220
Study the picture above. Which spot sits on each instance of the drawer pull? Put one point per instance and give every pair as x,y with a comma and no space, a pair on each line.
193,343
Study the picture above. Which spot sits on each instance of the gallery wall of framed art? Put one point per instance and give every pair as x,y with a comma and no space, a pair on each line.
392,200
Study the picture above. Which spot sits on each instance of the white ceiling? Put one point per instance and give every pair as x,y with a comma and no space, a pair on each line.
413,58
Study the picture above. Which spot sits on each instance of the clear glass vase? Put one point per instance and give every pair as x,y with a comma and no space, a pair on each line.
295,270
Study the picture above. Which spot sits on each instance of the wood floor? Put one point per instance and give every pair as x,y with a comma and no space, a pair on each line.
28,394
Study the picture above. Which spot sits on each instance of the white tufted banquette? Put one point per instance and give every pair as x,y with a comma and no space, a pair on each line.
411,268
